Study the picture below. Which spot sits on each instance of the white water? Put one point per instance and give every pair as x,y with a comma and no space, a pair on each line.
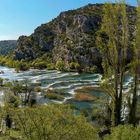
65,82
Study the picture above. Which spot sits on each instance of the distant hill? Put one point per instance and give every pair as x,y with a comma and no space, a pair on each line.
69,38
7,46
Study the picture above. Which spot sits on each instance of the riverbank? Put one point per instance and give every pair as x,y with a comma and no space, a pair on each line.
42,64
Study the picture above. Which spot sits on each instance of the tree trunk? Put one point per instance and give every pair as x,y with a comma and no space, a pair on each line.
132,113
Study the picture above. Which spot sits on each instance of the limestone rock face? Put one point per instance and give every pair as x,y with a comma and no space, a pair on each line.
69,37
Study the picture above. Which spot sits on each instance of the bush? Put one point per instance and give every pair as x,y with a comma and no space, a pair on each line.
40,65
53,122
93,69
37,89
74,66
22,66
51,66
124,132
53,96
59,65
11,99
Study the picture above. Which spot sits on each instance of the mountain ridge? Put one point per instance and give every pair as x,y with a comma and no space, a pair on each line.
7,46
70,37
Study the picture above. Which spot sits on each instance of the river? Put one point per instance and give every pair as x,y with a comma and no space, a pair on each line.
66,82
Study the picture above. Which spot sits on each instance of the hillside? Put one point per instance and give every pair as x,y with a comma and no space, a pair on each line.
7,46
69,38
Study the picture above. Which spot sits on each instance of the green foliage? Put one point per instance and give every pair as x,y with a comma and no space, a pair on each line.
53,122
43,62
124,132
84,112
23,66
74,66
12,100
23,88
60,65
53,96
37,89
113,43
92,69
10,62
40,65
50,66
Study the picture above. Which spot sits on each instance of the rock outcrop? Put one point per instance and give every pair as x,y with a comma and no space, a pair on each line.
70,37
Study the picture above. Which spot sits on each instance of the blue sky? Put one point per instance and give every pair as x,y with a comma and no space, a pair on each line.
21,17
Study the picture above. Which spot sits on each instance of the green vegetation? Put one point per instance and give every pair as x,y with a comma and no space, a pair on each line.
108,120
10,62
74,66
114,51
23,66
43,63
51,66
51,122
54,96
124,132
60,65
37,89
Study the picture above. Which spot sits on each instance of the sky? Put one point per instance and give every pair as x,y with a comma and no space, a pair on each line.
21,17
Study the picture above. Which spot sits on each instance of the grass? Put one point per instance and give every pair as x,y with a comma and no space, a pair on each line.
10,135
84,97
53,96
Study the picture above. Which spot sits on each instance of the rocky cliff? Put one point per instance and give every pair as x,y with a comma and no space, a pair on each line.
70,37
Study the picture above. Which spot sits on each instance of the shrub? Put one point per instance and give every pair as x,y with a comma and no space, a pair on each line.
22,66
50,66
93,69
53,122
124,132
37,89
74,66
40,65
53,96
59,65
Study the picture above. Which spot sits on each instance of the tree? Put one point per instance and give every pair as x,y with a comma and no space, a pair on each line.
1,82
23,90
53,122
135,70
113,42
27,90
16,88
